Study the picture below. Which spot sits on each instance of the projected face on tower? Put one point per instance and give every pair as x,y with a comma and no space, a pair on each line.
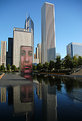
26,59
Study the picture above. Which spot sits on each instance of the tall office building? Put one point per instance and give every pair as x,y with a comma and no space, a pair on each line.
39,52
36,59
0,59
48,32
74,49
21,37
29,26
9,57
3,52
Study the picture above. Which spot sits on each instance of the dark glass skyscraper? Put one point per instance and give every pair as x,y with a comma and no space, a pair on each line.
9,57
29,25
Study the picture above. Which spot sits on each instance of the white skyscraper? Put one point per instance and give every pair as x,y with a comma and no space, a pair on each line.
3,52
48,32
21,37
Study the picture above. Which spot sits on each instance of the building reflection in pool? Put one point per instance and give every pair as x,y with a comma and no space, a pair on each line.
23,100
35,101
45,98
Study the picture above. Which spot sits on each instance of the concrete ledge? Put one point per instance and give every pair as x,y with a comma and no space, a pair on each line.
2,75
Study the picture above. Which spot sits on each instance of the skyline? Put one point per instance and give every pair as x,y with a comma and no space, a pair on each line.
68,20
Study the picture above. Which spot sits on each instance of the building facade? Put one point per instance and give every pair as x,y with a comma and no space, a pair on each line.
29,26
3,53
9,57
21,37
74,49
48,32
39,52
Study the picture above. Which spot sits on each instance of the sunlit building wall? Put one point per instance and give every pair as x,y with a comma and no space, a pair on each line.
48,32
74,49
39,52
21,37
3,53
35,56
35,61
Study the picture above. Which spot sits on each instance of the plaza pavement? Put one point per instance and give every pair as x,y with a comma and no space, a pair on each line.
13,79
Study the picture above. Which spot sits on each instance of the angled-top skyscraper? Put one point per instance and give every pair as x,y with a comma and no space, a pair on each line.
29,26
48,32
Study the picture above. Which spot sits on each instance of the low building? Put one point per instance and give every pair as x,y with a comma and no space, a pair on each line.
74,49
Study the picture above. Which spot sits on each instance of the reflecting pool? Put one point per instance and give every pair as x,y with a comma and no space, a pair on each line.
42,99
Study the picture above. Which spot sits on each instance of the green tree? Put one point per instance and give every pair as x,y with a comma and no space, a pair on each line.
68,63
58,62
34,67
2,67
79,60
8,67
46,66
75,61
51,65
13,67
39,66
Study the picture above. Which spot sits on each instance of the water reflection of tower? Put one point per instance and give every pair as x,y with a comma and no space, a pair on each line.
3,95
10,95
49,102
23,100
6,94
39,90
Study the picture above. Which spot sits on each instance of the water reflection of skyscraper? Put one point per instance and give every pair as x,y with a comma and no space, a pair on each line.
49,102
3,95
26,94
10,95
23,100
39,90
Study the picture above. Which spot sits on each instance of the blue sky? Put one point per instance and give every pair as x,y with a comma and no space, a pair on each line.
68,20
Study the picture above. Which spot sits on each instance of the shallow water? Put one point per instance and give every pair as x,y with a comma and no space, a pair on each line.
43,99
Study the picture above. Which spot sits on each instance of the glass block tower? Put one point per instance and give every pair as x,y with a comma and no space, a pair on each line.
29,26
74,49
